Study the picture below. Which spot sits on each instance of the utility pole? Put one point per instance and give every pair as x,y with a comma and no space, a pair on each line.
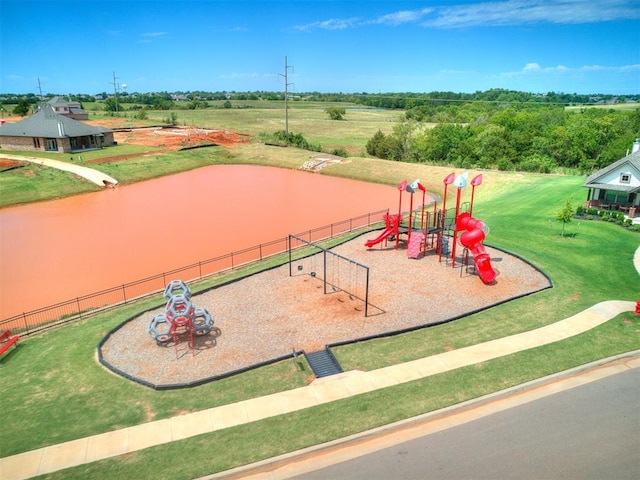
40,90
286,96
115,88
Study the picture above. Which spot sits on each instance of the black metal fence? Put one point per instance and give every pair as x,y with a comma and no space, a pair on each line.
87,305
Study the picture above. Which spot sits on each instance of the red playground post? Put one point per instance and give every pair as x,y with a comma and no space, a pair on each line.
460,182
475,181
448,180
402,186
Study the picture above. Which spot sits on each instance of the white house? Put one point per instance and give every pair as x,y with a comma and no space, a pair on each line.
617,186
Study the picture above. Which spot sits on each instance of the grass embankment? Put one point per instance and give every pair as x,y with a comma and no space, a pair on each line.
53,389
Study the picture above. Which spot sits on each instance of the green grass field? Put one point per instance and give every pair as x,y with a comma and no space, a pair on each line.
53,389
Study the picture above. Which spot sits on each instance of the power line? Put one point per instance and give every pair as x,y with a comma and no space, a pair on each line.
286,95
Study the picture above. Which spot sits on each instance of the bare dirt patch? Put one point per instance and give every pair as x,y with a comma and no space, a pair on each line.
169,138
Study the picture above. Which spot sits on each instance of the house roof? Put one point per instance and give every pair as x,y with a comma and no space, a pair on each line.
61,101
596,180
48,124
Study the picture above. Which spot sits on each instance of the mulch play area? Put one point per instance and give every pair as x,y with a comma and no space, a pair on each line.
269,315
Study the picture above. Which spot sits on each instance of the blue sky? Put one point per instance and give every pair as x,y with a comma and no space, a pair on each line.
569,46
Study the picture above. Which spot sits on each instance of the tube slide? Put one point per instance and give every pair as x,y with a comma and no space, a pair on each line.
472,239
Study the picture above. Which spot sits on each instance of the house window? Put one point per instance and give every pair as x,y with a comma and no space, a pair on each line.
52,145
625,178
36,142
616,197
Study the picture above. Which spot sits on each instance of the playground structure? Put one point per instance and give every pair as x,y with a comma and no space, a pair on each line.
436,226
181,319
337,273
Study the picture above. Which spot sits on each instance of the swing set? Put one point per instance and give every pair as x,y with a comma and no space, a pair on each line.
337,273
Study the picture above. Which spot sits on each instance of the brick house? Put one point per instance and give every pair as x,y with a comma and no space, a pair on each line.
69,109
48,131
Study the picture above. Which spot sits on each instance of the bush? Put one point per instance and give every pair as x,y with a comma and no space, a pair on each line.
340,152
580,211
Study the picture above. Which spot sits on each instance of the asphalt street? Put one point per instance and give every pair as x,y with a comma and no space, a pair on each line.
587,432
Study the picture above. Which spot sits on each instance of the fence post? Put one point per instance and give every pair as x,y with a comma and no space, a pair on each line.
78,305
26,325
289,249
324,269
366,296
124,293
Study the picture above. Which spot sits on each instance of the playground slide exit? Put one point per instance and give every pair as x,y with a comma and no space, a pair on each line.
392,223
380,238
472,239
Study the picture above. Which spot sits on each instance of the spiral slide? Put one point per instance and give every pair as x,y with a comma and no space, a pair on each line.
472,239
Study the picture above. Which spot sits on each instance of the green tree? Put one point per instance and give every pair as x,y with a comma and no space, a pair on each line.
22,108
565,214
336,113
110,105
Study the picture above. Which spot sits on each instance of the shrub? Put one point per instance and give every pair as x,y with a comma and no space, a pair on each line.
340,152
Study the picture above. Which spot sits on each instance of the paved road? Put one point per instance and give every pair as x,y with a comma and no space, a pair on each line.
590,431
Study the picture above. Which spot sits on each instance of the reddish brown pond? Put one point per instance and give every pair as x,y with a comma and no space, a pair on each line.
55,251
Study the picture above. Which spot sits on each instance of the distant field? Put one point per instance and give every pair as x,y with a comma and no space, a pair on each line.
617,106
307,118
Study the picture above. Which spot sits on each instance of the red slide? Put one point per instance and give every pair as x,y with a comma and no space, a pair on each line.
472,239
392,224
385,234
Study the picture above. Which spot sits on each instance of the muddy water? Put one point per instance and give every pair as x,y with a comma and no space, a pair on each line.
55,251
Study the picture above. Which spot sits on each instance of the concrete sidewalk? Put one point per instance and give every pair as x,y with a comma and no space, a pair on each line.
324,390
94,176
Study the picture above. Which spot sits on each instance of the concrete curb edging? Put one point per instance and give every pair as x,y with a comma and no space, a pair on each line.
267,468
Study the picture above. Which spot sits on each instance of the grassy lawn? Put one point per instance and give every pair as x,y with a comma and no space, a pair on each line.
53,389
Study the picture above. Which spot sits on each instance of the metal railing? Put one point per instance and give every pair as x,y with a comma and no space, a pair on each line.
84,306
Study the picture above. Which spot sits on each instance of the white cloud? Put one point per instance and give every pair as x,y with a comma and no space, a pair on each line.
534,68
153,34
520,12
401,17
495,13
331,24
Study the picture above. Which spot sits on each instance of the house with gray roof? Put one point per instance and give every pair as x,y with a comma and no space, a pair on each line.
69,109
49,131
617,186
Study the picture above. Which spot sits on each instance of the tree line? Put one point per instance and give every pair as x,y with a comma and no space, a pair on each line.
533,138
